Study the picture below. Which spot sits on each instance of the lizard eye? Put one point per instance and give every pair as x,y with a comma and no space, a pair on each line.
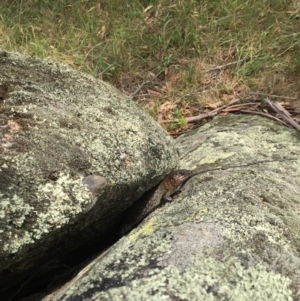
173,179
183,173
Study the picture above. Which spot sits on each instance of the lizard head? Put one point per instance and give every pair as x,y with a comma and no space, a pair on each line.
179,176
173,181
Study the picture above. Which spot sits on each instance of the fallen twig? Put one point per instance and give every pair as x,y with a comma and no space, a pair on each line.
210,114
132,95
226,65
284,114
265,115
239,107
107,68
272,95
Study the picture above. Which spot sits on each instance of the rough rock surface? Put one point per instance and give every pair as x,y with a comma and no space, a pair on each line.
69,143
234,236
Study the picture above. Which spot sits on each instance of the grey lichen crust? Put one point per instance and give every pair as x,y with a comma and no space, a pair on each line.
57,127
233,237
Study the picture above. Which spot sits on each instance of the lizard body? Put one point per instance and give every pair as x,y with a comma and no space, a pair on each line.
163,191
152,199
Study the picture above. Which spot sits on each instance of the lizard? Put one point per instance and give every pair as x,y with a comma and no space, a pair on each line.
166,188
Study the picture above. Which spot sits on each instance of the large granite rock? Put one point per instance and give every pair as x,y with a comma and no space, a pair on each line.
74,154
232,237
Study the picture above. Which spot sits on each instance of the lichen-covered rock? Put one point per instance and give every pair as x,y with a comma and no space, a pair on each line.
69,143
234,236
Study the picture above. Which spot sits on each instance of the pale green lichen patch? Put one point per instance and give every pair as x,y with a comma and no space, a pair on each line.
237,144
16,211
17,241
237,283
147,229
58,211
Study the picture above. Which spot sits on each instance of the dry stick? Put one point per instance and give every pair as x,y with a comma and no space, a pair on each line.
247,104
265,115
215,111
142,95
276,96
107,68
212,113
271,104
281,108
196,118
285,115
143,84
276,108
226,65
229,106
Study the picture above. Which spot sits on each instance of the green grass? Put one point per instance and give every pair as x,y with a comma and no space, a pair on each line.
128,42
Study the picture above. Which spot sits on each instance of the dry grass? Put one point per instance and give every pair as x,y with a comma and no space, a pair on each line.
257,42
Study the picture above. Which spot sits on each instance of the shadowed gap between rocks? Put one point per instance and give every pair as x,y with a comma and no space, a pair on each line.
53,276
